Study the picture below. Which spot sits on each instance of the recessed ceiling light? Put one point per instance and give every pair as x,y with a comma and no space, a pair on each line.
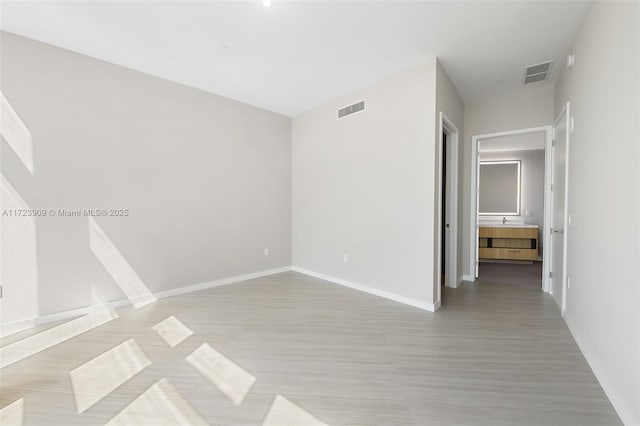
266,3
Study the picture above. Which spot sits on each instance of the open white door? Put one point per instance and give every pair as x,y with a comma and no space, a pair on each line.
448,223
559,194
451,224
477,218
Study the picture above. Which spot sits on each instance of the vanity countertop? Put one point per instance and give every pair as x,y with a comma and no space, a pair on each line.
506,225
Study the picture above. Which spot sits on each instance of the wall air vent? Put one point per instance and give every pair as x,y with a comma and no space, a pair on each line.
537,73
357,107
535,78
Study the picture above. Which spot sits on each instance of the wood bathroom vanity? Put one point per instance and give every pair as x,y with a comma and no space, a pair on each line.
518,242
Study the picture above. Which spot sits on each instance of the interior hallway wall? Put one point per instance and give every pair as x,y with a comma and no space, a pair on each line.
363,186
603,301
207,180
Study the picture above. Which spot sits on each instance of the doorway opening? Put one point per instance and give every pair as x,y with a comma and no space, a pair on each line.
443,210
511,207
446,270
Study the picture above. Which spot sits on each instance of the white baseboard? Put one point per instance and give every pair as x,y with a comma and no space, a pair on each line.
456,283
468,278
74,313
626,413
217,283
436,306
381,293
16,326
65,315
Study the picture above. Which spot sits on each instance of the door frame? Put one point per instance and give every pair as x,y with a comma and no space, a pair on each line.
566,111
473,222
446,125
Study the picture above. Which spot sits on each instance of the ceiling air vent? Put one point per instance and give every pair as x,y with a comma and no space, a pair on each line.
537,73
343,112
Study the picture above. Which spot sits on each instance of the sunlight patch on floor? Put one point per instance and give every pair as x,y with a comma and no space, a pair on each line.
233,381
32,345
172,331
117,266
100,376
13,414
284,412
160,405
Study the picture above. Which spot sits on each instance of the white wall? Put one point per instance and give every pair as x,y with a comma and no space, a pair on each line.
603,303
532,182
449,101
207,179
528,107
364,186
18,261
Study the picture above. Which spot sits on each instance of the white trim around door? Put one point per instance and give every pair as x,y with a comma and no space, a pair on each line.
446,125
473,222
563,226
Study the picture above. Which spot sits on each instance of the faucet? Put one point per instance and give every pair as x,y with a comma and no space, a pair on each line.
504,220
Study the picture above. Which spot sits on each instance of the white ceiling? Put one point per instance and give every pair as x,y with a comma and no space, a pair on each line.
296,55
521,142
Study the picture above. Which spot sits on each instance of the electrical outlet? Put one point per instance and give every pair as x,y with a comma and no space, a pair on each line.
568,282
345,258
266,251
569,219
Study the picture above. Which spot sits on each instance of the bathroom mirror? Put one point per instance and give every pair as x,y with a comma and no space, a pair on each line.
499,193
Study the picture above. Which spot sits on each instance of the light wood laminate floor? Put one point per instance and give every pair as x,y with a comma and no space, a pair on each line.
521,274
493,355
